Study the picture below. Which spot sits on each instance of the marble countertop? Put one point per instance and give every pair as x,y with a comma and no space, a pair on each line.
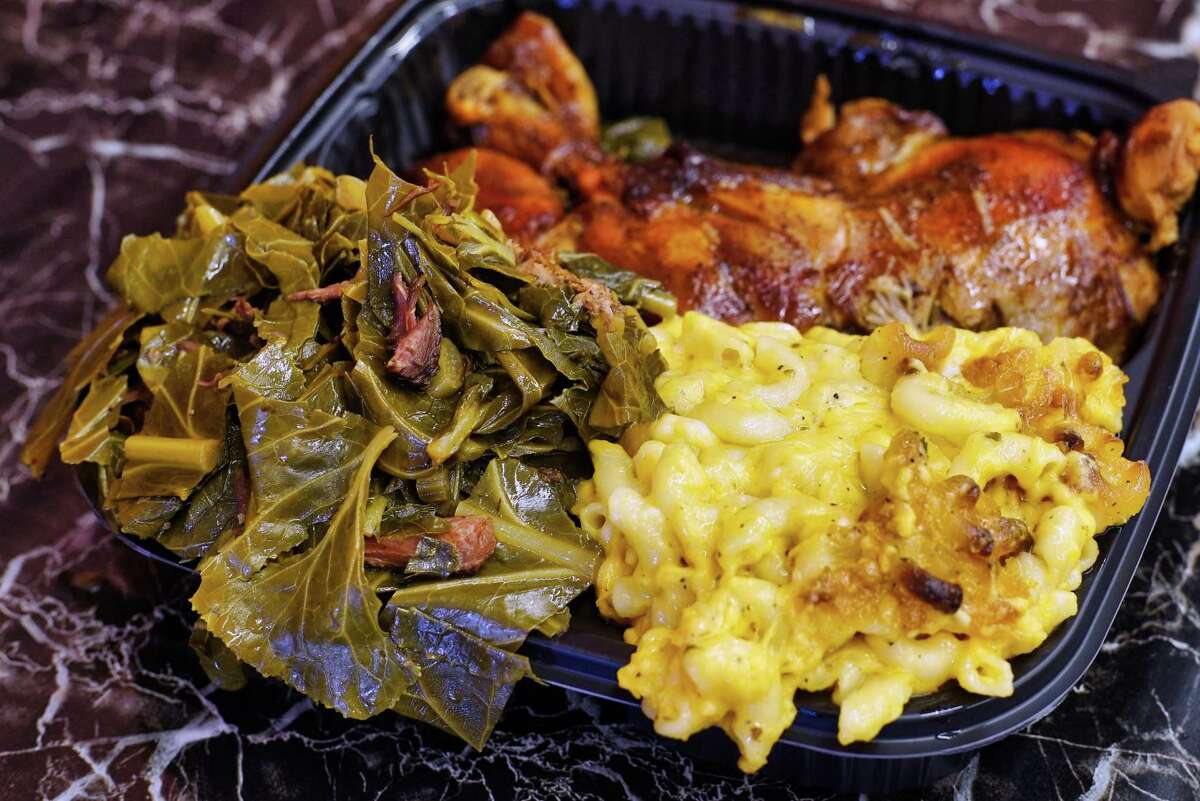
108,112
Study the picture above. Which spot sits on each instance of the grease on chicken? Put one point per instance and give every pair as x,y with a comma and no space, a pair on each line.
1158,168
885,216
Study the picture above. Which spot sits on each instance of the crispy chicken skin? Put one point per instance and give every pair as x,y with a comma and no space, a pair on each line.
1158,168
884,216
532,99
870,136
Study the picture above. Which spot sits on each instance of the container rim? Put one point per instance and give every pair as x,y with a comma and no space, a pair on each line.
1168,409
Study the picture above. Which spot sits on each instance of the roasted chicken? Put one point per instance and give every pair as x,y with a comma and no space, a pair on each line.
884,216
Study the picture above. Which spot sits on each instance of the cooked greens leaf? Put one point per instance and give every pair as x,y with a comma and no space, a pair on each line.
529,507
462,681
543,430
632,289
180,440
309,201
472,406
154,272
326,391
502,602
461,631
543,560
286,254
627,395
216,660
311,618
433,557
268,437
451,371
290,322
85,361
416,416
90,437
301,463
188,402
272,373
636,139
146,516
217,507
289,258
553,307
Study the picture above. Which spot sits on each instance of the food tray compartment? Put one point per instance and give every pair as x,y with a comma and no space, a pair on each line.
735,80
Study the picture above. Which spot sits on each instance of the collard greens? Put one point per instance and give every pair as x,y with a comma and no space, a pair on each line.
323,363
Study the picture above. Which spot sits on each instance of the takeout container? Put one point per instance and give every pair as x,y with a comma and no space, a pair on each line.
735,79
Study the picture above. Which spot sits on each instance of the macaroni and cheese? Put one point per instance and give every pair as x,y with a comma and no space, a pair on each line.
877,515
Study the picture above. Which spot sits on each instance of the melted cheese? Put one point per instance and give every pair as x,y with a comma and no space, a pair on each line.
792,524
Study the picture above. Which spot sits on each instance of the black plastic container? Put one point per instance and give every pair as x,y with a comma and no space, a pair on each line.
735,79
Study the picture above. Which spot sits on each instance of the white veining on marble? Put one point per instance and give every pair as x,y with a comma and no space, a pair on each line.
99,697
123,113
1190,456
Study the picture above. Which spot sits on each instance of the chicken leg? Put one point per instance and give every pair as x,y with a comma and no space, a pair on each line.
884,216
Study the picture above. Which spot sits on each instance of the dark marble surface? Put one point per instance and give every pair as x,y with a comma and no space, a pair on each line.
1133,33
109,110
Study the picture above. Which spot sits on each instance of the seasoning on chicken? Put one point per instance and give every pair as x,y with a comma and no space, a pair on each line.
884,217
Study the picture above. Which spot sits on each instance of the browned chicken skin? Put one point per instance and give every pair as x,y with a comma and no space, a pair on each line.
525,202
1158,167
884,217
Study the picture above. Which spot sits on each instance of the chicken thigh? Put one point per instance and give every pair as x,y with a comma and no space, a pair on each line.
884,216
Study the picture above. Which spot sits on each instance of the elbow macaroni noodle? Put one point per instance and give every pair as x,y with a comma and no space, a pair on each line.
873,515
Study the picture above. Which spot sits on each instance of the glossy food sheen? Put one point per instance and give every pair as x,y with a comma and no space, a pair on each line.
884,216
355,406
875,515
